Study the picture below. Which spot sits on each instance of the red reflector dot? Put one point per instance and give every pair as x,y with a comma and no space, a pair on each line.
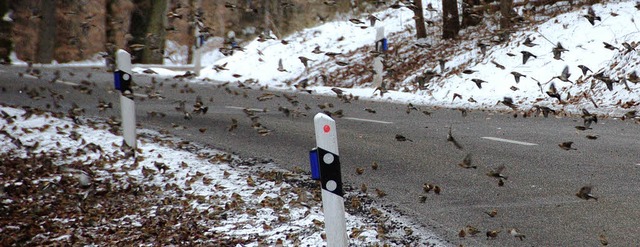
326,128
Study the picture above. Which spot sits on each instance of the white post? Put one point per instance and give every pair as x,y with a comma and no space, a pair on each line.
331,178
377,61
123,81
197,51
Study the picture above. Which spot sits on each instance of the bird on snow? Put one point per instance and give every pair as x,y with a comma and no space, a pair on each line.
305,60
591,16
280,67
584,69
517,75
553,92
478,82
526,55
529,42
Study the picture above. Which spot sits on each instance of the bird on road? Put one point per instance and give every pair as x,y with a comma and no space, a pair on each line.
515,233
402,138
451,139
603,238
585,193
199,106
492,234
589,118
466,162
234,125
566,145
374,165
472,230
380,193
545,110
492,213
497,172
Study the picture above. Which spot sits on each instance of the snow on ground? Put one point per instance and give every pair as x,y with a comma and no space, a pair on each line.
64,182
259,62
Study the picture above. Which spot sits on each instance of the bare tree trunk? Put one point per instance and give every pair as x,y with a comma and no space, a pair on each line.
147,27
421,31
450,22
118,20
468,17
46,32
5,35
505,11
193,5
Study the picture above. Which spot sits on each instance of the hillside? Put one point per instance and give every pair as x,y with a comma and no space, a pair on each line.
408,61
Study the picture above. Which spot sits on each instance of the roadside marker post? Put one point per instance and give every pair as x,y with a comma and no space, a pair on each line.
325,166
381,47
197,52
122,80
200,38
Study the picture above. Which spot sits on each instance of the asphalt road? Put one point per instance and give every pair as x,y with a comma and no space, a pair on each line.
538,197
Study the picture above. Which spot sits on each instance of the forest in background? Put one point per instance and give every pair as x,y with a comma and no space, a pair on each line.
43,31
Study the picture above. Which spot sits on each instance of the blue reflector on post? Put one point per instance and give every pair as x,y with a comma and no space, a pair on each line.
385,45
116,79
315,164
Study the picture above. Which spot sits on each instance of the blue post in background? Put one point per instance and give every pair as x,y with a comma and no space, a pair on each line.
381,47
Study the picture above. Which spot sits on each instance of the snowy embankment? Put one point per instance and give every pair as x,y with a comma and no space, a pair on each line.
69,183
584,44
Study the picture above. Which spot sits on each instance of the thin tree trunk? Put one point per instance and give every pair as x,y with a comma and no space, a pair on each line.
193,5
46,32
147,27
5,35
505,11
156,34
450,22
421,31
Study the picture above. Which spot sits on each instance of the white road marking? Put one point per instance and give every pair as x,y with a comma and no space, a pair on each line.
67,83
367,120
509,141
140,95
242,108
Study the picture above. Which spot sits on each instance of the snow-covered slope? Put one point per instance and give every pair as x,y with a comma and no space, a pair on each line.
258,63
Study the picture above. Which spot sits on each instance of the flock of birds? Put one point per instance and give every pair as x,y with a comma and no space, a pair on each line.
199,107
584,192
